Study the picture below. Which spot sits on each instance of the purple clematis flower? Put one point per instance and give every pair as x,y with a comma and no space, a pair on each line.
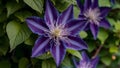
85,62
94,15
57,32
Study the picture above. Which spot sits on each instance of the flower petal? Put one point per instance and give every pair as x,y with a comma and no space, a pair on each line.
95,61
51,13
94,30
66,15
82,17
75,43
95,4
58,52
105,24
42,45
37,25
85,58
87,4
104,11
80,5
75,26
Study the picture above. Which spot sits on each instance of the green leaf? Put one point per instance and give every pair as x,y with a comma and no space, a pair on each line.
76,11
91,46
75,53
4,45
104,3
17,33
117,26
3,16
35,4
106,60
83,34
66,63
45,56
48,64
1,30
64,3
102,36
23,63
23,15
5,64
12,7
113,49
111,21
29,41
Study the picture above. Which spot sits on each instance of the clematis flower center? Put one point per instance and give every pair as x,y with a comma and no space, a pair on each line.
57,32
93,15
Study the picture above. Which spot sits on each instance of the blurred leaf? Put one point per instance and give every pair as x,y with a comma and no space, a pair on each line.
102,36
117,26
5,64
1,8
104,3
48,64
76,11
35,4
29,41
45,56
17,1
91,46
4,45
106,60
17,33
66,63
111,21
23,15
116,5
75,53
113,49
1,30
12,7
3,17
64,3
83,34
23,63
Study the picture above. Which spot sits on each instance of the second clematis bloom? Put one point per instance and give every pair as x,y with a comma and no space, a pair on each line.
94,15
85,62
57,32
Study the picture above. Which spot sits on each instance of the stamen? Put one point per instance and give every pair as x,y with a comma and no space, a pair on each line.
93,15
57,32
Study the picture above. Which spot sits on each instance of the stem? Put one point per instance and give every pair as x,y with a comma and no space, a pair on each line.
97,51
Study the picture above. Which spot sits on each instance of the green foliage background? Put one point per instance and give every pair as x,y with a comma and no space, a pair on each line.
16,40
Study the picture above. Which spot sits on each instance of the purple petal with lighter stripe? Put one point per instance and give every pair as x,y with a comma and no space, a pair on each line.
37,25
75,43
66,15
58,52
75,26
94,29
85,57
95,61
87,4
104,11
105,24
51,13
95,4
80,5
42,45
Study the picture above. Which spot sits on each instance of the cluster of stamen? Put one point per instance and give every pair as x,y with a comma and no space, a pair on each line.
93,15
